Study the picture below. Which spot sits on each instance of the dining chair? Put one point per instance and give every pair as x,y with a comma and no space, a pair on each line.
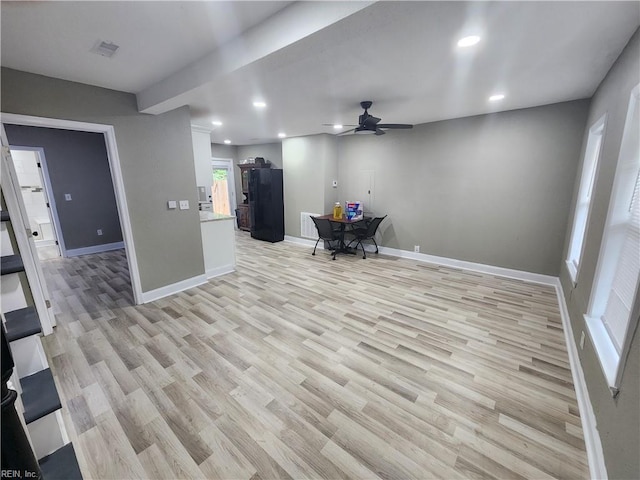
326,233
366,233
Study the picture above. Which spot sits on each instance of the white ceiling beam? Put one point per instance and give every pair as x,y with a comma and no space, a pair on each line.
286,27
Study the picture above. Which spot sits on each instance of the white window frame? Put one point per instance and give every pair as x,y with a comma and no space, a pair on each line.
612,356
583,201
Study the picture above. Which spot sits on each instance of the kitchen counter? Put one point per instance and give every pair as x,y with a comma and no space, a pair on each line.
218,243
211,217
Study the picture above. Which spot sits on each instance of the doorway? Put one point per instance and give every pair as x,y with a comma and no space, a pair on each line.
108,133
223,186
35,187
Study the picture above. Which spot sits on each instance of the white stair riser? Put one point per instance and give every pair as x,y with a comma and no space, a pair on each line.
28,356
47,434
12,294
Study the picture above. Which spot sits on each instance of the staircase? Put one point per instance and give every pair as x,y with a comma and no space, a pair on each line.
37,404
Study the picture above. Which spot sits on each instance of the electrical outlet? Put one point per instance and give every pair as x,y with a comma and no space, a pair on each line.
172,204
416,248
99,231
184,204
582,340
67,197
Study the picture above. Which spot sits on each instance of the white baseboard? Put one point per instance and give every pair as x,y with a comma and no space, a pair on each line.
107,247
593,445
302,241
444,261
177,287
476,267
216,272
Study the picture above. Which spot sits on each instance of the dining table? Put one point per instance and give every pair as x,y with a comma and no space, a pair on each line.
343,221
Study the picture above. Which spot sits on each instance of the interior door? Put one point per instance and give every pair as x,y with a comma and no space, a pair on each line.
28,165
24,239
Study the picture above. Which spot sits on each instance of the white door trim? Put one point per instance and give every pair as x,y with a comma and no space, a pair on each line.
48,188
116,176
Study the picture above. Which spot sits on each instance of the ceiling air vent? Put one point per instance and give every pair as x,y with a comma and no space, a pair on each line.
106,49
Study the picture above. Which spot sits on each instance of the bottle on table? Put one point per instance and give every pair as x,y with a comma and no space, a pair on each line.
337,211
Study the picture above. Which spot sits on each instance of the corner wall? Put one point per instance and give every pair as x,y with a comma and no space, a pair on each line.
618,419
491,189
157,164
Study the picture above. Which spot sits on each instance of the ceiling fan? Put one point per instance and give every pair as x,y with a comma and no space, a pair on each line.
368,124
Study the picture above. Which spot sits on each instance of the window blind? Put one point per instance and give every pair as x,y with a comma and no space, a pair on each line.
627,274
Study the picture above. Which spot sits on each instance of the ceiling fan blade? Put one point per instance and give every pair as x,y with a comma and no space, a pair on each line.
346,131
380,132
343,124
394,125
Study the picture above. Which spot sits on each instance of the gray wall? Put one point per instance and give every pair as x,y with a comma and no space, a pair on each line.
268,151
492,189
77,164
308,164
156,157
618,419
223,151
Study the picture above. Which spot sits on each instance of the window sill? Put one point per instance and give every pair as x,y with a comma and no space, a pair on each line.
606,352
573,272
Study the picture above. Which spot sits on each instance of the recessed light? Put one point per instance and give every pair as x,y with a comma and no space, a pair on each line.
468,41
282,135
259,104
337,126
227,142
216,123
496,97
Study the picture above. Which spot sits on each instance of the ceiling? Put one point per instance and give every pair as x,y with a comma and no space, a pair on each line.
313,62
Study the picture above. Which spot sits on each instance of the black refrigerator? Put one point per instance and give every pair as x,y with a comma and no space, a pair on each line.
266,204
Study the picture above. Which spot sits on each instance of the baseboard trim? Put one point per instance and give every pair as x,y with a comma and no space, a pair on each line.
476,267
177,287
216,272
302,241
106,247
445,261
593,445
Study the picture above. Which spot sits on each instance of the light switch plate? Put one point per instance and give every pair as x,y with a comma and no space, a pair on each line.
67,197
172,204
184,204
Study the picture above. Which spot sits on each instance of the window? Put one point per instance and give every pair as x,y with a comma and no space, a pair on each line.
591,157
618,273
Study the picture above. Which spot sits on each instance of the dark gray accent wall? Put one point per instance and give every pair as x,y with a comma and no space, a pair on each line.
492,189
156,158
78,165
618,418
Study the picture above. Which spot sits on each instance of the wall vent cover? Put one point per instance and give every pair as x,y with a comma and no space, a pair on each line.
307,227
105,49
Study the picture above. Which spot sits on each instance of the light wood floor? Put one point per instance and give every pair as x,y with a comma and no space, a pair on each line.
301,367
